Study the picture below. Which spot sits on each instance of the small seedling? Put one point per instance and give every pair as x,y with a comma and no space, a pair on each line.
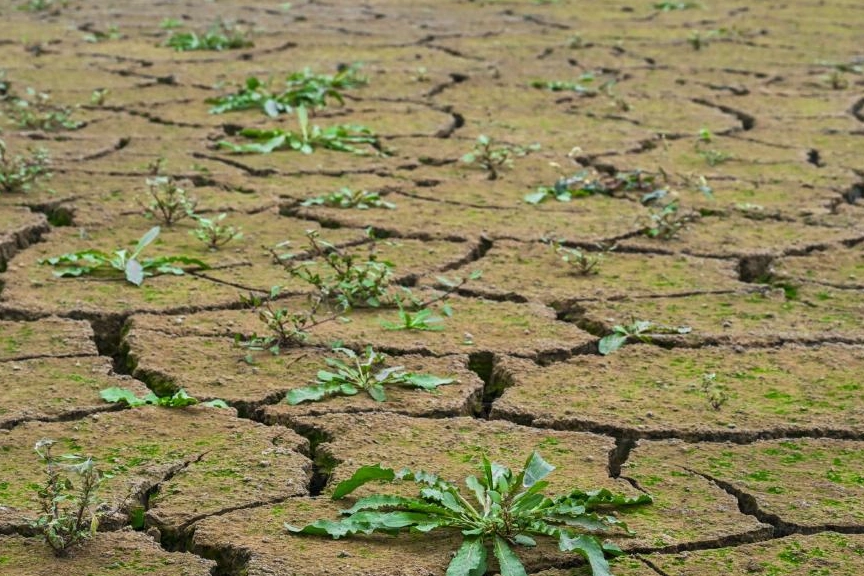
303,89
41,5
561,86
714,157
715,392
89,262
348,280
169,203
508,509
586,183
705,135
221,36
340,138
96,36
97,97
347,198
178,399
170,24
580,263
213,233
367,374
668,221
286,328
672,6
69,512
422,320
38,113
640,330
494,157
20,173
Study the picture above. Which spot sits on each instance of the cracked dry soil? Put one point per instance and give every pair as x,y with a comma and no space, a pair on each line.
762,100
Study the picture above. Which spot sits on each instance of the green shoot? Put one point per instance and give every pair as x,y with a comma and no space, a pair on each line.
560,86
507,509
286,328
347,198
69,513
169,203
366,374
97,97
580,263
303,89
668,221
170,24
41,5
178,399
134,269
639,330
714,157
494,157
220,37
38,113
714,391
672,6
96,36
340,138
585,183
19,173
213,233
423,320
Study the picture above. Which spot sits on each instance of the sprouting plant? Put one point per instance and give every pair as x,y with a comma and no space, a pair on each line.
135,270
365,374
705,135
668,221
417,314
178,399
580,262
671,6
423,320
169,203
97,97
212,232
347,198
348,280
714,157
285,328
421,75
303,88
586,183
576,41
96,36
36,112
507,509
170,24
579,86
494,157
40,5
221,36
69,508
20,173
714,391
341,138
837,81
640,330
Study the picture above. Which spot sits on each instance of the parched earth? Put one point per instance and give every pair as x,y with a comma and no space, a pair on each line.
748,430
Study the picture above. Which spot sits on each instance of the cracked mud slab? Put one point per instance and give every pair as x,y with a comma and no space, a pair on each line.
541,335
840,267
817,314
178,464
709,393
800,484
57,337
123,553
19,227
57,388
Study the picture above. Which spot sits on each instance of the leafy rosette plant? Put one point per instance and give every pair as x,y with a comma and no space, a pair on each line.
508,509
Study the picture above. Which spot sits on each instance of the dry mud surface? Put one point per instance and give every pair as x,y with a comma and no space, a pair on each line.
748,431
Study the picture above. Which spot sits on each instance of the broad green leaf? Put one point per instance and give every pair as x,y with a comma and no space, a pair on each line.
536,469
479,491
536,197
470,559
217,403
376,391
509,564
115,394
524,540
587,546
378,501
145,241
427,381
306,394
611,343
134,272
362,476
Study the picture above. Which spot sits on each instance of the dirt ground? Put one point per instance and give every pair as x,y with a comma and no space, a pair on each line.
748,429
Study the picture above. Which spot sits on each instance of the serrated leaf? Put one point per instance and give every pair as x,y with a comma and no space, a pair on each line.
508,563
470,559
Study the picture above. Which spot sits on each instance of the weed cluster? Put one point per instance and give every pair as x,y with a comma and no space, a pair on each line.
588,183
638,330
169,203
347,198
178,399
221,36
69,513
494,157
580,262
667,221
20,173
286,328
507,509
36,112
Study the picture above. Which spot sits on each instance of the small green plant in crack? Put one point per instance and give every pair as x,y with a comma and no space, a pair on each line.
587,183
169,203
214,233
713,157
673,6
285,328
349,138
135,269
417,314
365,373
97,36
422,320
508,509
638,330
580,262
667,222
579,86
178,399
221,36
348,280
18,173
36,112
715,392
303,89
347,198
494,157
69,507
